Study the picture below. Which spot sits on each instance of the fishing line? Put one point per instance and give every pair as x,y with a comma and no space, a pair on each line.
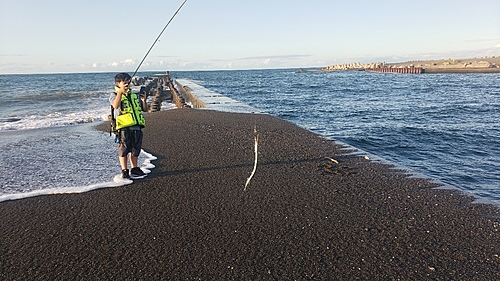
157,38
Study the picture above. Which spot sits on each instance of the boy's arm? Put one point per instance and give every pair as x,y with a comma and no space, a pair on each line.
144,103
116,102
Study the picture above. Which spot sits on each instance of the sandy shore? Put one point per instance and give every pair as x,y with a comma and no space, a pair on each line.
303,217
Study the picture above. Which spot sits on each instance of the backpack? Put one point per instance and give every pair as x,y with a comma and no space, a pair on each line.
112,120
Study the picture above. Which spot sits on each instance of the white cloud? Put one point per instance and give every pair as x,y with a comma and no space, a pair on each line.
128,62
498,45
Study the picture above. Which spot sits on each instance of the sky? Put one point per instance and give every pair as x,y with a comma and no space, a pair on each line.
61,36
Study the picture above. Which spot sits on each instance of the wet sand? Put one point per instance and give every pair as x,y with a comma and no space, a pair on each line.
303,217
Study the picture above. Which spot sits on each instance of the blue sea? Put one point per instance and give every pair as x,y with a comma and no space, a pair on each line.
442,126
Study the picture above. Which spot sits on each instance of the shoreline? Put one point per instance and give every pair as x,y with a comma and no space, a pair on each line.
302,216
435,70
461,70
471,65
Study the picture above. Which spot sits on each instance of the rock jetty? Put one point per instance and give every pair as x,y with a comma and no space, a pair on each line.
354,66
160,88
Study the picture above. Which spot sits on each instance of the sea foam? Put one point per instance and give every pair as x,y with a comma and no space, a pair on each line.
145,166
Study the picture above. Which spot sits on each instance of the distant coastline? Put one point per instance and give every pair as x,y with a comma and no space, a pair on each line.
472,65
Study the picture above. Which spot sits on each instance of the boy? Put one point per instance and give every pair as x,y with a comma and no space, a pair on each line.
128,109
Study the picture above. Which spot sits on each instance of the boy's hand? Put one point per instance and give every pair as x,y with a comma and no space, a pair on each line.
123,86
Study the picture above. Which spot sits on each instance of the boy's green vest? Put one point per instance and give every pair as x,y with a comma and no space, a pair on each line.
130,112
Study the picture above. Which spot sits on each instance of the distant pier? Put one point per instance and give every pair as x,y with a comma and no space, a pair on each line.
402,70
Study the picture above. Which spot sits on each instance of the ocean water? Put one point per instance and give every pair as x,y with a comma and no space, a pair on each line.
444,126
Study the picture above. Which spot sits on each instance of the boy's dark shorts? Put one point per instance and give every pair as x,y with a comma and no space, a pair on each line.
130,142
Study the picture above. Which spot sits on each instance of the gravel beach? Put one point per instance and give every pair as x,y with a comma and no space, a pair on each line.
302,217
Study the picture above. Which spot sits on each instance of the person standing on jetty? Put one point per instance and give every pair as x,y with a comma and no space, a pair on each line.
128,108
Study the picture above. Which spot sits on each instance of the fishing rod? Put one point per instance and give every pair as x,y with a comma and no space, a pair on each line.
157,38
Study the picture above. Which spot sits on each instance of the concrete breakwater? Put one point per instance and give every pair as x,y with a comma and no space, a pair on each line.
184,93
187,94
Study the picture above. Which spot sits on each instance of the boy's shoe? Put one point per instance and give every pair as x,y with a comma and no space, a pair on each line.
125,174
137,173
